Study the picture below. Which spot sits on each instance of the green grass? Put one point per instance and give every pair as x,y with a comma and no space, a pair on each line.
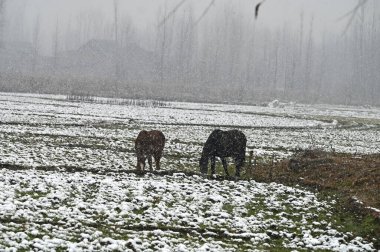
346,219
229,208
31,194
365,226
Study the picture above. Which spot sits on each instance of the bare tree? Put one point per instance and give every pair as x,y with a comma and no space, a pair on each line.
56,44
116,19
163,43
2,7
36,43
117,51
309,60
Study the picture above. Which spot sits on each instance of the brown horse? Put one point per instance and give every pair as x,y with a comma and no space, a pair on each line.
148,144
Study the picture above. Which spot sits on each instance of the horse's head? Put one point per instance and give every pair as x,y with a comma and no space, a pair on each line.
203,163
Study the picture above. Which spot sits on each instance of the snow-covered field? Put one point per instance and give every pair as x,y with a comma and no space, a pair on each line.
83,211
40,130
47,210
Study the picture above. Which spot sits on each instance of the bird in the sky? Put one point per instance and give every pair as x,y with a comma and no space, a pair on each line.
257,8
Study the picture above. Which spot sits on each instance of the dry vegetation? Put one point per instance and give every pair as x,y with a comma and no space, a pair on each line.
355,179
355,176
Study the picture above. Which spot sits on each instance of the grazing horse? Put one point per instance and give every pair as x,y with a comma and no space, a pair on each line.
224,144
148,144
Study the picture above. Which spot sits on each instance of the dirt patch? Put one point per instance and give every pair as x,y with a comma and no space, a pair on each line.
353,179
355,176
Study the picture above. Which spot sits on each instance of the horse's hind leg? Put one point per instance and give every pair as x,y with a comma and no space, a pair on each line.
157,159
150,162
224,162
239,163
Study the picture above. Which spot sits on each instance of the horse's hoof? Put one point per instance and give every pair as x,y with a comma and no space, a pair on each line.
202,175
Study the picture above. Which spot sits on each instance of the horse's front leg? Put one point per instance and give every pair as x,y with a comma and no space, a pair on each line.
141,163
224,162
212,159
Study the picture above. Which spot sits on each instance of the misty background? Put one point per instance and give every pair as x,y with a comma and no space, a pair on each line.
306,51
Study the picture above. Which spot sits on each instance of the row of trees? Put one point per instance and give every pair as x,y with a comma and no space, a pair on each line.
2,5
230,57
232,53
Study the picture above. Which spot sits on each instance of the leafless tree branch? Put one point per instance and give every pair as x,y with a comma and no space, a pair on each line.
352,14
172,12
204,13
354,10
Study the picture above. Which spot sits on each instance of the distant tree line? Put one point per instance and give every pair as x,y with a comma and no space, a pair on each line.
224,58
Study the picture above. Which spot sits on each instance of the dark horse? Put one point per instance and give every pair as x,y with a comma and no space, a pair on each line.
224,144
148,144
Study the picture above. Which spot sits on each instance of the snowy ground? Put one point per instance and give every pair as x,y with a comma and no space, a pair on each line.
82,210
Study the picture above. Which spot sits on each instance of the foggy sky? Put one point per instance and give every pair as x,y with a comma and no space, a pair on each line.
21,15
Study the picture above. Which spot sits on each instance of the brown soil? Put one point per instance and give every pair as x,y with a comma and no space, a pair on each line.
350,176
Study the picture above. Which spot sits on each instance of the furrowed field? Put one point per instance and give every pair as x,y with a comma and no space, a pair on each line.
65,180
